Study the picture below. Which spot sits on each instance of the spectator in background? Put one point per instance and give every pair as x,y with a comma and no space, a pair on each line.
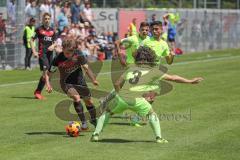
62,20
65,30
28,4
82,47
153,18
3,33
29,32
87,29
93,47
11,12
170,22
67,10
76,10
46,7
132,29
87,13
58,11
82,32
31,11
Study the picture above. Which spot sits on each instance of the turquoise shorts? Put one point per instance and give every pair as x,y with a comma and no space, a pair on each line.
140,106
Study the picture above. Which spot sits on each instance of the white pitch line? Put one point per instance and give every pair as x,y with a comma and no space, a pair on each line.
106,73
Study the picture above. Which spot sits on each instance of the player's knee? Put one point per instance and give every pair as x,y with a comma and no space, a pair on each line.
76,98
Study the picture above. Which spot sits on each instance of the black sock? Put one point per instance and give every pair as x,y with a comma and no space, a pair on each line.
79,109
92,112
41,84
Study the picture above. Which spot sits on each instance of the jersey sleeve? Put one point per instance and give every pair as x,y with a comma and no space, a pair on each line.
166,50
128,40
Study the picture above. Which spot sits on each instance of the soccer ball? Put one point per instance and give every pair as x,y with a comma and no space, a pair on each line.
73,129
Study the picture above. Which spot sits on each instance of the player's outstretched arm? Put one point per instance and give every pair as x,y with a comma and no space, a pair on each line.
179,79
121,58
90,74
119,83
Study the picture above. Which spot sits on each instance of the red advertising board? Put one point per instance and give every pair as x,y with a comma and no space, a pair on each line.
125,17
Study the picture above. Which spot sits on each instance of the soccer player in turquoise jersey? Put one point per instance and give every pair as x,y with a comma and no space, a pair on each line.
136,89
157,44
132,43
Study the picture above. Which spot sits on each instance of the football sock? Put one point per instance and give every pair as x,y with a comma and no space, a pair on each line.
92,112
102,121
41,84
79,109
155,124
110,96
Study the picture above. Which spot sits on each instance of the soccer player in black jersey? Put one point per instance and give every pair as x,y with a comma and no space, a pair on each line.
70,64
46,37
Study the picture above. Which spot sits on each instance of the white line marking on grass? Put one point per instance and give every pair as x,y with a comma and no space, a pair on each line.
19,83
106,73
207,60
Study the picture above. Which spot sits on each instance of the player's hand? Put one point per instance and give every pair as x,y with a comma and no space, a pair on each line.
35,54
96,83
196,80
49,88
172,52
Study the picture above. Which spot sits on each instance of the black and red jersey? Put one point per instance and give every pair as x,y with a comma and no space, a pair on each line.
69,68
46,38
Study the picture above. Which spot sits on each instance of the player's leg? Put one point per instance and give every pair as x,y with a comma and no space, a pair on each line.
85,94
43,67
105,100
72,93
144,108
44,62
91,109
102,121
117,106
155,125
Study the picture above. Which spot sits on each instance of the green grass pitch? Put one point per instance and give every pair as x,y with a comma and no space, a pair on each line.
31,131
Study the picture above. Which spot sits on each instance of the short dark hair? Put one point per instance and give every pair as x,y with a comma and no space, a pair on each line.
46,14
144,24
32,20
145,55
159,23
69,43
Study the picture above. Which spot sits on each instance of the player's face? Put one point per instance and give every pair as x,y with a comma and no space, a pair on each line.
68,52
157,30
32,23
46,21
144,31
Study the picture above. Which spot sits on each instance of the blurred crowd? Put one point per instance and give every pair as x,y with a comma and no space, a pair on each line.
74,18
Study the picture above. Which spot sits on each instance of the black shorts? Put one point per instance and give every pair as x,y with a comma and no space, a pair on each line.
72,89
45,61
